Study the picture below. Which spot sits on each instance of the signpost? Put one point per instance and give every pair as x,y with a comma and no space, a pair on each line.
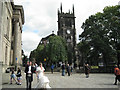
16,65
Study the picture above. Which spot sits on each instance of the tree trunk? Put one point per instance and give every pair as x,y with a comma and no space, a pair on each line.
118,53
118,58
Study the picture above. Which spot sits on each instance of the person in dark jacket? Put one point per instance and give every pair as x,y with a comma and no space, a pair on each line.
68,69
19,76
52,68
63,69
87,70
29,70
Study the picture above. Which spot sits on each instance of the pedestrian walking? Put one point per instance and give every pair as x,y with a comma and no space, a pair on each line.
71,69
29,70
13,76
19,76
63,69
117,74
87,70
52,68
68,69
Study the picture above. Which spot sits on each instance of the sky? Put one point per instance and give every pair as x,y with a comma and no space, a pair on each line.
41,17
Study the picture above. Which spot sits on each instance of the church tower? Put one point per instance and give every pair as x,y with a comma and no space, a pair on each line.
66,29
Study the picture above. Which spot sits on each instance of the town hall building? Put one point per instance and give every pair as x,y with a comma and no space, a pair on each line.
11,21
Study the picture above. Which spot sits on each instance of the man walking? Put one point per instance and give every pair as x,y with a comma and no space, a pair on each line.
63,69
117,74
52,68
87,70
29,70
68,69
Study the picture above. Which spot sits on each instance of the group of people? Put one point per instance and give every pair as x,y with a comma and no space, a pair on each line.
18,75
42,81
68,68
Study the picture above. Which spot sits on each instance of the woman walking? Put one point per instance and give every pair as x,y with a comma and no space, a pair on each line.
42,81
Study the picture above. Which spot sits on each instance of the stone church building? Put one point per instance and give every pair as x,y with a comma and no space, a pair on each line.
67,30
11,21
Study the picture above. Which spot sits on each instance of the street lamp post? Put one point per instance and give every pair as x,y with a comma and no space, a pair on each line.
16,65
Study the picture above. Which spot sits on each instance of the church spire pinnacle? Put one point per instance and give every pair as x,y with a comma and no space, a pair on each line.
73,9
61,8
58,11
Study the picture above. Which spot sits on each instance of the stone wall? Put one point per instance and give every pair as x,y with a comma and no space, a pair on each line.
7,31
11,21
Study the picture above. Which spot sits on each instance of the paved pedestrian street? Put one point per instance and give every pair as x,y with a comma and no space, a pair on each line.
74,81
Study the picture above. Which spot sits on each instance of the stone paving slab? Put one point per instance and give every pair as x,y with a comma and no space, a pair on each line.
73,81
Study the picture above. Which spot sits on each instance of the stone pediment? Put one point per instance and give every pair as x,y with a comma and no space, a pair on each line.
18,10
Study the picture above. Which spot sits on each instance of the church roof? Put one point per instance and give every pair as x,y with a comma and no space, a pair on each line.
45,38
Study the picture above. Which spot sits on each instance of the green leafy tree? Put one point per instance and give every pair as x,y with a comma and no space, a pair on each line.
38,54
56,49
53,52
84,48
112,15
101,31
32,55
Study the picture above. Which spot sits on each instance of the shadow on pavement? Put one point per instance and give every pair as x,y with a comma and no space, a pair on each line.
5,83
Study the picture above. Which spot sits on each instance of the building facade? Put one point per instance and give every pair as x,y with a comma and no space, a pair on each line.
66,29
44,41
11,21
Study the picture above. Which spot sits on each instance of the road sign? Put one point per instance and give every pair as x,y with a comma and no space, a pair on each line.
44,59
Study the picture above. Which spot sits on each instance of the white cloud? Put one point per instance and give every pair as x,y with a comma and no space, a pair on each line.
41,16
30,41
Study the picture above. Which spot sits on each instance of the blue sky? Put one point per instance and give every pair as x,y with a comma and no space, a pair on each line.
41,17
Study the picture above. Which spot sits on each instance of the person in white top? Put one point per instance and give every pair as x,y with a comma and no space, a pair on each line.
42,81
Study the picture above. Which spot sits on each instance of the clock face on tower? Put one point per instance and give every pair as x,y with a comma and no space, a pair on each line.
68,31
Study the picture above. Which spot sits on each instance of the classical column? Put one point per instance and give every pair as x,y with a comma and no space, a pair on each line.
16,42
1,34
19,47
1,31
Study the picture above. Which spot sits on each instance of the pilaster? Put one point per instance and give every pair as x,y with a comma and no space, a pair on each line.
16,36
1,59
